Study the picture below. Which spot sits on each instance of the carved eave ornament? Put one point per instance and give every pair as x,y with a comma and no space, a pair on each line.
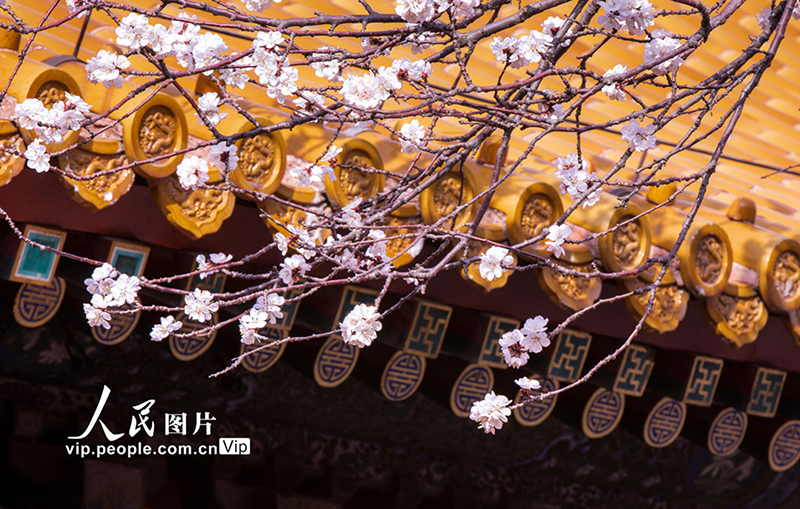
567,291
155,129
669,304
774,257
262,158
41,81
408,247
193,212
530,207
10,139
737,314
473,273
449,192
93,157
351,182
628,245
706,255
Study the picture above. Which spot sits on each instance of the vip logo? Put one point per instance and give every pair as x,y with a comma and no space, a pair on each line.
569,355
766,393
491,353
634,372
428,328
703,381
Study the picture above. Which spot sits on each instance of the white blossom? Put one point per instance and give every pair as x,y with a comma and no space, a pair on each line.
614,90
51,125
576,178
633,16
72,5
417,70
208,50
271,305
556,237
552,25
420,42
491,412
416,11
37,157
530,48
464,8
96,317
640,138
302,241
268,40
259,5
494,262
105,68
361,325
528,384
208,104
29,112
309,175
224,156
199,305
536,325
660,46
282,242
203,266
329,68
518,343
535,332
167,326
100,283
125,289
250,323
366,91
304,106
291,267
192,172
179,40
235,77
505,50
377,250
762,18
350,216
511,344
411,135
134,31
220,258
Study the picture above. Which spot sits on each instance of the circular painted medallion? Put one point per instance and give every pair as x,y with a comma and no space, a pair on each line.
402,376
602,413
472,385
536,412
664,423
335,361
727,432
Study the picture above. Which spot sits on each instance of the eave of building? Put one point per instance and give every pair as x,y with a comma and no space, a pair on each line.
762,144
